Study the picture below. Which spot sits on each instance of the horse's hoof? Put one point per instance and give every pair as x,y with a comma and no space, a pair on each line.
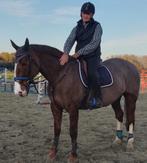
72,158
52,154
130,148
130,145
117,142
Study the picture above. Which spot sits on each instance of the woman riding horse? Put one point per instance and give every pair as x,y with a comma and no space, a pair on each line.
88,34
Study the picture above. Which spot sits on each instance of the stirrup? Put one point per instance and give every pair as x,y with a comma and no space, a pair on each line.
93,103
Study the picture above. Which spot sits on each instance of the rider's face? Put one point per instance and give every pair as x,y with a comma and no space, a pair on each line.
86,16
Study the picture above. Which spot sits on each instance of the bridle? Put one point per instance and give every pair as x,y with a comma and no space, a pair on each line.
28,79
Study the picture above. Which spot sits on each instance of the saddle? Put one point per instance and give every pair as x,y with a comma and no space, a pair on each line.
106,78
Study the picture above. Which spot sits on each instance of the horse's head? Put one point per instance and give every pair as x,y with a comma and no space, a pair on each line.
26,68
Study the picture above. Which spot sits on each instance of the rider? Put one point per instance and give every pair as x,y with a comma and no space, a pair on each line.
88,34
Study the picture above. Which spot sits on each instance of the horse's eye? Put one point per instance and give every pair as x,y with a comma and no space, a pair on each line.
24,64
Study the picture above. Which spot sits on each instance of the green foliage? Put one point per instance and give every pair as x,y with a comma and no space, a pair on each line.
7,60
7,57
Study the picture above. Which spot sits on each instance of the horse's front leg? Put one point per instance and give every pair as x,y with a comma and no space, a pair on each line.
57,115
74,116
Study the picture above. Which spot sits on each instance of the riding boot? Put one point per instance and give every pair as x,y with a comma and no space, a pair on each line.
95,97
98,96
95,100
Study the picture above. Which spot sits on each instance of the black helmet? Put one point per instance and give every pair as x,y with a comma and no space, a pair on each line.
88,8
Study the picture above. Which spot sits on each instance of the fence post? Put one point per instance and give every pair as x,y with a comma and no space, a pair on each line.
5,75
40,90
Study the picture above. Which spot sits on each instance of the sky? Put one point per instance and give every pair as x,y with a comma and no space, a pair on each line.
124,23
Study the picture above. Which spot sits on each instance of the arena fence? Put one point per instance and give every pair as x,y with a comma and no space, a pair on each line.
8,86
143,82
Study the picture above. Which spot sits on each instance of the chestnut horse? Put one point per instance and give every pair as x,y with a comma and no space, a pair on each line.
67,92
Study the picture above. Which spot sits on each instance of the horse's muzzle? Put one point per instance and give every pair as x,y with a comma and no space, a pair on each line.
20,90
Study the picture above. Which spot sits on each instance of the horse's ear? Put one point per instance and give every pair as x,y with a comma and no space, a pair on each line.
14,45
26,46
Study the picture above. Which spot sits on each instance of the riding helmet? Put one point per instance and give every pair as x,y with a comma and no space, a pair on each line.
88,8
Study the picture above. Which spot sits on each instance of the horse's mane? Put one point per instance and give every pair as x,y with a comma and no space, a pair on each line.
46,50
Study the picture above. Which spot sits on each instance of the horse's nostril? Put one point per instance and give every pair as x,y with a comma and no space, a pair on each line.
20,93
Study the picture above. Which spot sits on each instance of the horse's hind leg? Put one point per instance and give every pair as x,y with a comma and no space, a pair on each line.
119,117
130,106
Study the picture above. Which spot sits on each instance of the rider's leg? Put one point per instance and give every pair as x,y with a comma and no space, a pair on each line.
94,80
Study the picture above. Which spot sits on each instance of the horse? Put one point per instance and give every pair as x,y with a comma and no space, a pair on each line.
66,90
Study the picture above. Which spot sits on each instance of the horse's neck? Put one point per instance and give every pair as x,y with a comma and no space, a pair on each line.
49,67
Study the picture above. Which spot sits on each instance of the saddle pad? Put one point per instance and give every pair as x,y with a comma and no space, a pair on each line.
106,78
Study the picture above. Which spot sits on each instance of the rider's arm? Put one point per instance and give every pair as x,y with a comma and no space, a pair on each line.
70,41
89,48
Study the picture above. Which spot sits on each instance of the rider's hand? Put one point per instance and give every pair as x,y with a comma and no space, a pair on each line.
76,55
64,59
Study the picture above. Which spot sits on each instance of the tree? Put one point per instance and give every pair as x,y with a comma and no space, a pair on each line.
7,57
133,59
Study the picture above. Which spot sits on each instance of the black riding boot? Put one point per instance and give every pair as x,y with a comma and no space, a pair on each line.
95,97
98,96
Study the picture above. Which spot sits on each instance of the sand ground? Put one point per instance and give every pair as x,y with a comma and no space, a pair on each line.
26,132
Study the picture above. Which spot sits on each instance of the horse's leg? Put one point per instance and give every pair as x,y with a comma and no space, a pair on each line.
57,114
130,106
74,116
119,117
